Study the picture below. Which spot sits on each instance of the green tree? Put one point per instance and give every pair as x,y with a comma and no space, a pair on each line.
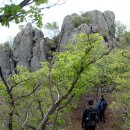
125,40
22,10
37,99
120,29
118,73
122,96
52,29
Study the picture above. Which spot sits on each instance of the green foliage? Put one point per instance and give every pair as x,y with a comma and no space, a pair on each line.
35,93
52,29
78,20
125,40
36,15
115,124
120,29
19,13
39,2
6,47
70,61
119,73
51,26
12,10
82,65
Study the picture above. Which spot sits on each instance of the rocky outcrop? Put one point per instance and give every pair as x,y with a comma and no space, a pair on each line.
103,23
22,46
38,49
6,60
28,47
67,28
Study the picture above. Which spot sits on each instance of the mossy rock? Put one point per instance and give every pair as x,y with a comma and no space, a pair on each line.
78,20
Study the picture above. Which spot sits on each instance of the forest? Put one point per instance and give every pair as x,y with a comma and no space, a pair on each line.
45,99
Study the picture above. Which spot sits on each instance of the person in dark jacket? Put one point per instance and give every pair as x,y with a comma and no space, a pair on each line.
101,108
90,119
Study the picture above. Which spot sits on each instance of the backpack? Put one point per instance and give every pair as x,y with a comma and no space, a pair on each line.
92,118
103,105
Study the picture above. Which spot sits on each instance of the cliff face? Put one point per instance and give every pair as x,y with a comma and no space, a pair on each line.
6,60
29,46
103,23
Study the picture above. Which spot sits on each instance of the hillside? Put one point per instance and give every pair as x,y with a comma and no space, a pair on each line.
110,123
41,78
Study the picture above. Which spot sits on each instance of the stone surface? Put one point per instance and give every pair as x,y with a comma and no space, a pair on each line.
97,20
6,61
22,46
67,28
38,50
83,28
100,22
28,49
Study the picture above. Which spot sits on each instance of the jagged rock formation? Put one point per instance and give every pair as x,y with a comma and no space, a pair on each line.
67,28
103,23
6,60
30,47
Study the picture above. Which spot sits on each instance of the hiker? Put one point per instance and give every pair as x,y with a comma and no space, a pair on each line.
101,108
90,118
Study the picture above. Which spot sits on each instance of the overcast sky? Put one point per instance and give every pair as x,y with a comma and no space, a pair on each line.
119,7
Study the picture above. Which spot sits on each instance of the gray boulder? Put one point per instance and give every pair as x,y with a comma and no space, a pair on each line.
67,28
97,20
110,20
83,28
103,23
22,46
38,50
28,49
6,61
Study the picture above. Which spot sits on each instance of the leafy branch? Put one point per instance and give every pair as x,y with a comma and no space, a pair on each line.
19,13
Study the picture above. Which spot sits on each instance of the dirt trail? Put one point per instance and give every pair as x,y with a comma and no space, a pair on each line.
78,112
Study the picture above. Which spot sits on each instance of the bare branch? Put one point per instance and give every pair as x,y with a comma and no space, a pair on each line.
9,16
105,53
22,5
25,3
69,100
50,81
57,3
56,104
58,92
26,115
40,108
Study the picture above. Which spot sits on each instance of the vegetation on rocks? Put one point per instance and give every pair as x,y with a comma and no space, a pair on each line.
41,99
79,19
45,95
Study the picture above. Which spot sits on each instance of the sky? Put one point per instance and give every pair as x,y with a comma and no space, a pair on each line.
121,8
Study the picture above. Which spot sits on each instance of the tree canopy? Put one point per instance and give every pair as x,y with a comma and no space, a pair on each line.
25,10
44,96
38,100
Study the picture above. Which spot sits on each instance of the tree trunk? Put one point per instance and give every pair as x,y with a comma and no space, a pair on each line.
10,123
